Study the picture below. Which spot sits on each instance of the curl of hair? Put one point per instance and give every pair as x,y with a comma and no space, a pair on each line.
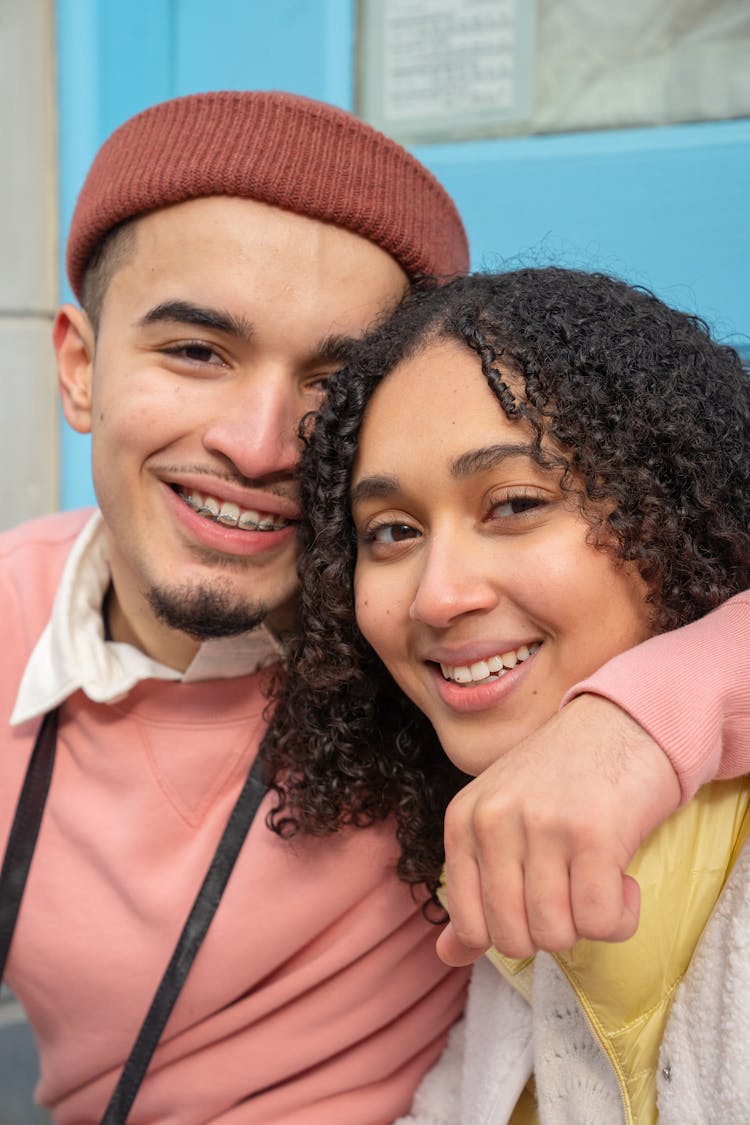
636,406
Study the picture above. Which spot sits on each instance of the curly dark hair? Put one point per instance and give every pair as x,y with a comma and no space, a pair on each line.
645,411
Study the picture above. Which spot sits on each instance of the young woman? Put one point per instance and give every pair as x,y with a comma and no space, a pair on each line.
516,478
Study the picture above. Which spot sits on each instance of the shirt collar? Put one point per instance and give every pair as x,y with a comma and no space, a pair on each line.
72,654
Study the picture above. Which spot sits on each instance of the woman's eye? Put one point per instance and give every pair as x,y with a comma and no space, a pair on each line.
515,506
391,533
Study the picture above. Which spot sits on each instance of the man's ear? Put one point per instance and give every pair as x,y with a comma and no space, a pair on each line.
73,338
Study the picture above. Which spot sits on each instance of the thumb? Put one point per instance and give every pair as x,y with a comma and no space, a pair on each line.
631,910
452,951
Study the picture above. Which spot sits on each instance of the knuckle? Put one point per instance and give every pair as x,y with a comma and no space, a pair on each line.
454,829
597,915
512,945
487,818
553,937
473,937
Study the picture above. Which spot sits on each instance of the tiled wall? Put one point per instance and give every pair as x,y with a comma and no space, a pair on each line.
28,417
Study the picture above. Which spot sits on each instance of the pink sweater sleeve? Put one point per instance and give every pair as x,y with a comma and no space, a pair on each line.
690,690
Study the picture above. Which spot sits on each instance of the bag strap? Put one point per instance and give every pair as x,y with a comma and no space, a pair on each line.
17,862
194,931
25,829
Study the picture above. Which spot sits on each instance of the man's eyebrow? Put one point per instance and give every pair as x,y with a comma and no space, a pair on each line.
199,316
373,488
478,460
334,349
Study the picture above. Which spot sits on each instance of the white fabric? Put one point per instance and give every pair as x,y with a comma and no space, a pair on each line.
72,654
704,1064
703,1075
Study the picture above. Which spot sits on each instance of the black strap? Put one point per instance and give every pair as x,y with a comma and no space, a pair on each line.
18,856
24,831
189,943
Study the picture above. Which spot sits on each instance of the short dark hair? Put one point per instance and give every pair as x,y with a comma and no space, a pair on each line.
112,253
646,411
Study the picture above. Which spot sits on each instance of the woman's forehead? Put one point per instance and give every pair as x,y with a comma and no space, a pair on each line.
436,402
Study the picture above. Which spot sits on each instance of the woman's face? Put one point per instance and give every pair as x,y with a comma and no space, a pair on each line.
474,582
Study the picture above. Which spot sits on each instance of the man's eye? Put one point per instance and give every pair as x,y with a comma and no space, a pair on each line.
319,384
195,351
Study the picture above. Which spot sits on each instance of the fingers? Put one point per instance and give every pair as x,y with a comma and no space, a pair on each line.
548,905
552,901
537,846
605,905
468,936
484,881
549,915
453,952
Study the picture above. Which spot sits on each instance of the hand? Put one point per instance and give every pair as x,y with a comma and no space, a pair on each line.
537,845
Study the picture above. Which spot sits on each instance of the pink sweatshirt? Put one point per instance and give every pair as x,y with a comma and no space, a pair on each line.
690,690
317,993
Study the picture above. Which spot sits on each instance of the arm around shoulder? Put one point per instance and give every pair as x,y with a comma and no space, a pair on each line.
690,690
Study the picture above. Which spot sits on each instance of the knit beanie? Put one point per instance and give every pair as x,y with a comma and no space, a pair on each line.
278,148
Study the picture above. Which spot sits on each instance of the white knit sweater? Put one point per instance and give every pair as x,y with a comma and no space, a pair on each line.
704,1063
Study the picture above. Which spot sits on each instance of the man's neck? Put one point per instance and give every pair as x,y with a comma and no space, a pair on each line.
158,641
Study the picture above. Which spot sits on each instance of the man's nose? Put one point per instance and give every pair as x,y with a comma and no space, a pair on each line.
256,427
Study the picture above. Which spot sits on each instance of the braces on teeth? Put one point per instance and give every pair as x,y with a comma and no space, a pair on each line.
230,515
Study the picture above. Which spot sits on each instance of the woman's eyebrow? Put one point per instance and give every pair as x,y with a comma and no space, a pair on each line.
373,488
478,460
473,461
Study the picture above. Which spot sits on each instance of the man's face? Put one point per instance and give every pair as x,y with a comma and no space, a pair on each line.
216,336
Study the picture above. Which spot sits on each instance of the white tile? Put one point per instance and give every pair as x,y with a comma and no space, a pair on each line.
28,420
28,203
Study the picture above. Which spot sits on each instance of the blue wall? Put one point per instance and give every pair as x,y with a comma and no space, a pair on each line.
665,207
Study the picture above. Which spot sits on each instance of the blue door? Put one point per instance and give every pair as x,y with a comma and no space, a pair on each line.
664,207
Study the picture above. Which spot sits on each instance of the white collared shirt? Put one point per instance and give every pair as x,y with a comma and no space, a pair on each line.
72,653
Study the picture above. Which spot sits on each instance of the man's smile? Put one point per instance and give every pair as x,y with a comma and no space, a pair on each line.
229,514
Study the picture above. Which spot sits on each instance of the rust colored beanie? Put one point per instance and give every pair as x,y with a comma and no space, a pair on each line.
302,155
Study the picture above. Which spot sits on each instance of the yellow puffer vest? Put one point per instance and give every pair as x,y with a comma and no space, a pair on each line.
625,989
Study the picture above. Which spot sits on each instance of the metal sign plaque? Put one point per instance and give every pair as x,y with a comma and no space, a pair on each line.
441,69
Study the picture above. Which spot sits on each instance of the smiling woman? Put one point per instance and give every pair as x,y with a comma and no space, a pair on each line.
515,479
476,581
538,468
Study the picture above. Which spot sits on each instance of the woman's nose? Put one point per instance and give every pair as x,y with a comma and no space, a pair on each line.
454,580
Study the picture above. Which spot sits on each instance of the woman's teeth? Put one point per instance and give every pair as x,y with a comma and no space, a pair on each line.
491,669
231,515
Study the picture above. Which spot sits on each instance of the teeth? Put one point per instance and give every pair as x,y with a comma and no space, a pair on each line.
492,668
231,515
249,519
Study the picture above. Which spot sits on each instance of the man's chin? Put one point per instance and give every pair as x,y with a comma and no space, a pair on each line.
205,613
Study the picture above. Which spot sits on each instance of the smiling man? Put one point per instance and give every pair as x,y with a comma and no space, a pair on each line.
225,247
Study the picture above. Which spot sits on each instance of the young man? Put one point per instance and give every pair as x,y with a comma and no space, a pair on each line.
224,249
